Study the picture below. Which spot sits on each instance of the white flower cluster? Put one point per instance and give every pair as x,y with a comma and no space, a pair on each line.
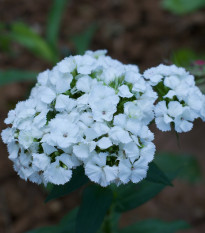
180,100
94,111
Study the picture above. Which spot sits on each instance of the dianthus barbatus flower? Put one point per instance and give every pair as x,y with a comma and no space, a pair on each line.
93,111
89,110
180,100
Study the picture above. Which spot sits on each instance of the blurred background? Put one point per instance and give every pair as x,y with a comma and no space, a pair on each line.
34,35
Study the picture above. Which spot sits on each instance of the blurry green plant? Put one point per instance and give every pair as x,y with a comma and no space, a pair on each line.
101,208
44,48
181,7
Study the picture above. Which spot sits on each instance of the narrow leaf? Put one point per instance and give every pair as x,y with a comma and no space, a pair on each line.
24,35
186,165
133,195
67,224
156,175
155,226
9,76
82,42
95,203
78,179
54,20
183,6
49,229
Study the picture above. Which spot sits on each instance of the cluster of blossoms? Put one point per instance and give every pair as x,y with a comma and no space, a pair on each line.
180,101
94,111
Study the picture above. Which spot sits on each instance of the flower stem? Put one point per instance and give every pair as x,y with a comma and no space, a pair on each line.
107,224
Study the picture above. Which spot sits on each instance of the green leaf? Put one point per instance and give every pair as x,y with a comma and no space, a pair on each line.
155,226
184,57
111,221
24,35
95,203
156,175
9,76
186,165
49,229
183,6
67,224
4,43
82,42
54,20
78,179
132,195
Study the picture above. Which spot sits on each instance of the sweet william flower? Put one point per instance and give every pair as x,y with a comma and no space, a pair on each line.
93,111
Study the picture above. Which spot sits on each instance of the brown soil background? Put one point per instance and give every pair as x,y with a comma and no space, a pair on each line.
133,31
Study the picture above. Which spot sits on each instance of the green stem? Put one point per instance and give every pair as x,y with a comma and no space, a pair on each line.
107,224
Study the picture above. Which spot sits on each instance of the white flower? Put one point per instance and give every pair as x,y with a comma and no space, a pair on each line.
8,135
62,133
67,65
134,172
81,151
132,76
43,77
46,94
124,91
85,83
85,64
100,128
56,174
13,149
176,113
97,170
142,111
62,81
103,110
101,93
25,139
104,143
96,54
93,111
131,151
40,161
87,118
64,103
117,135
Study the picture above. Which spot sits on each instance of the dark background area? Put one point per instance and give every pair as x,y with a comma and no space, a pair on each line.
133,31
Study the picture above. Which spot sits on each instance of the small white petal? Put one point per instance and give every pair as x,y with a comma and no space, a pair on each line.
124,91
104,143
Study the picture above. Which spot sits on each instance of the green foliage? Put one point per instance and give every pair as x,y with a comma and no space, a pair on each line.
78,179
156,175
131,196
155,226
95,203
181,7
101,208
45,49
24,35
54,20
186,166
67,224
4,43
184,57
10,76
83,41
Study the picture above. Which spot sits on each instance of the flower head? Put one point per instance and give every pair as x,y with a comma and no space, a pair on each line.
94,111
